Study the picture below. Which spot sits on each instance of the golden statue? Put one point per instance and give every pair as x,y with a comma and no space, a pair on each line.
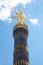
19,16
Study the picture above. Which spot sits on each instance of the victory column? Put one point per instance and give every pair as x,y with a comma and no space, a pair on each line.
20,34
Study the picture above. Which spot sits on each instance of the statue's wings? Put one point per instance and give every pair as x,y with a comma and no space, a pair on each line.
15,17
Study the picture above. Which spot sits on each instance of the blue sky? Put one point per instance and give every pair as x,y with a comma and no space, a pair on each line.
33,9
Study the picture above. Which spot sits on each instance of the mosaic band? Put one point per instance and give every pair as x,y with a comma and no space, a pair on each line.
21,62
20,47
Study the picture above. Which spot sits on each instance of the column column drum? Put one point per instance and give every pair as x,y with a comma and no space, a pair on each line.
21,54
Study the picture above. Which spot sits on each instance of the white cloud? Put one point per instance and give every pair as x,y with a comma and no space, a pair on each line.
0,3
15,2
5,13
6,5
10,20
34,21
